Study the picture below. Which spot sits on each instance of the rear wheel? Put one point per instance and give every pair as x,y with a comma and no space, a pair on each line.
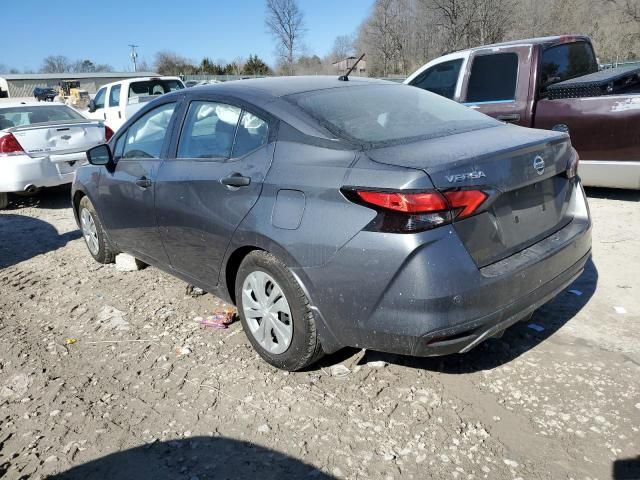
4,200
92,231
275,313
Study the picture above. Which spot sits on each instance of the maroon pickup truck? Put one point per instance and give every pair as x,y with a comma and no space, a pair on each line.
551,83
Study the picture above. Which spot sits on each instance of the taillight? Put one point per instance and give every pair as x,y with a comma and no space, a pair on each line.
572,167
9,145
108,133
408,212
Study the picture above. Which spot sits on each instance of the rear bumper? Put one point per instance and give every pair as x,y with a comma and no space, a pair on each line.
611,174
424,295
21,171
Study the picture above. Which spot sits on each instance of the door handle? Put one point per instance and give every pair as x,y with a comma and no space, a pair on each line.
236,180
510,117
143,182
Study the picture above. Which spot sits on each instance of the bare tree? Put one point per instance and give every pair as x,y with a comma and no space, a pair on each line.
342,48
55,64
285,22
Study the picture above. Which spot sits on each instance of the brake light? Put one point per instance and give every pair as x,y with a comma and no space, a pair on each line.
408,212
108,133
465,202
405,202
9,145
572,167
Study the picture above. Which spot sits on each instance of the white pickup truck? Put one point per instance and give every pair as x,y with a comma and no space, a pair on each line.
115,102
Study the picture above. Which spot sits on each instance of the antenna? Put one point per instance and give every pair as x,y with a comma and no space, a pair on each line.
134,56
345,78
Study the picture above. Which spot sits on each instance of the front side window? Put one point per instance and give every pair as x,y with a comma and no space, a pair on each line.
566,61
441,79
99,98
253,132
145,137
114,96
208,130
493,78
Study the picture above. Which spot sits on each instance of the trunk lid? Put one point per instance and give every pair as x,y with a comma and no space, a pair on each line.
523,171
70,136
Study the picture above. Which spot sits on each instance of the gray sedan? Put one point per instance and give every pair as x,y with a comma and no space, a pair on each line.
341,213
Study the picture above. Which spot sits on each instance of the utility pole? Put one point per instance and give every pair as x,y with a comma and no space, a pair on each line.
134,56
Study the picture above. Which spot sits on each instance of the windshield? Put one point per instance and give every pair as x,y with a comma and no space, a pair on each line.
27,115
388,113
147,88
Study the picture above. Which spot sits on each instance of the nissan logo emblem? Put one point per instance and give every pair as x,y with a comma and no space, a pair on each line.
538,164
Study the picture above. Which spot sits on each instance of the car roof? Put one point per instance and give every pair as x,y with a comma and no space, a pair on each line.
275,87
30,104
140,79
543,41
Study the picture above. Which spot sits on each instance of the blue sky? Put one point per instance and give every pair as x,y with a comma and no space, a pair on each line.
101,30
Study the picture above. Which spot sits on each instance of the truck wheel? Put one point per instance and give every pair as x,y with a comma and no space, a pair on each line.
275,313
99,246
4,200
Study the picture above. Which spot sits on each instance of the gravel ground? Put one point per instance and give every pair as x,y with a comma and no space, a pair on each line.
105,374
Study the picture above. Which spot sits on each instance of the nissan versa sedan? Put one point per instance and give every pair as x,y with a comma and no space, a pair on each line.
341,213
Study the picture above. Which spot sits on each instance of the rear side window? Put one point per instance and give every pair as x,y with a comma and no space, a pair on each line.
208,131
99,98
114,96
252,133
567,61
441,79
146,135
493,78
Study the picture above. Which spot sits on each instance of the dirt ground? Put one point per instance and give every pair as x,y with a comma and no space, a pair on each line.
145,393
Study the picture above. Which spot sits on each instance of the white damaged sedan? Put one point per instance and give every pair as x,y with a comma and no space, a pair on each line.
43,145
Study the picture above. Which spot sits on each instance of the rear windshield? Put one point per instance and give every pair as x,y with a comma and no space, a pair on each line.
148,88
18,116
375,114
566,61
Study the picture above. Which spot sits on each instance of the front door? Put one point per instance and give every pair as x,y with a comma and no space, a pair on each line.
203,193
127,193
113,115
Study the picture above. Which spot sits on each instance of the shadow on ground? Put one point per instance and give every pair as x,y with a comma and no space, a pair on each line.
613,194
199,458
494,352
626,469
22,238
50,198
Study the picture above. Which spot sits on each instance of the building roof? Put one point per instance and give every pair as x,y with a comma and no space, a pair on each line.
74,76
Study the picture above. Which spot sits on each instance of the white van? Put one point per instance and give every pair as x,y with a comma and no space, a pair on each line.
116,102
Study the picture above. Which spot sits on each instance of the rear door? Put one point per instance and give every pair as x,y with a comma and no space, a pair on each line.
497,83
214,178
127,192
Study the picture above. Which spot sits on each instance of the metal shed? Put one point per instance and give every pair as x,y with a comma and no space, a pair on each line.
22,84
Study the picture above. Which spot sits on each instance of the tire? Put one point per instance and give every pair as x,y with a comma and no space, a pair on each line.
95,238
4,200
303,346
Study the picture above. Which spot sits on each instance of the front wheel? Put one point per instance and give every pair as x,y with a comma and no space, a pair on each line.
93,233
275,313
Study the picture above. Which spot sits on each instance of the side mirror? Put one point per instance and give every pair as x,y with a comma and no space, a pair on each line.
92,106
100,155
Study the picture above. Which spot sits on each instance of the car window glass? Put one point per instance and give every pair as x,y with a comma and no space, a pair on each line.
119,147
253,132
146,136
28,114
114,96
143,89
208,130
566,61
493,78
441,79
99,98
